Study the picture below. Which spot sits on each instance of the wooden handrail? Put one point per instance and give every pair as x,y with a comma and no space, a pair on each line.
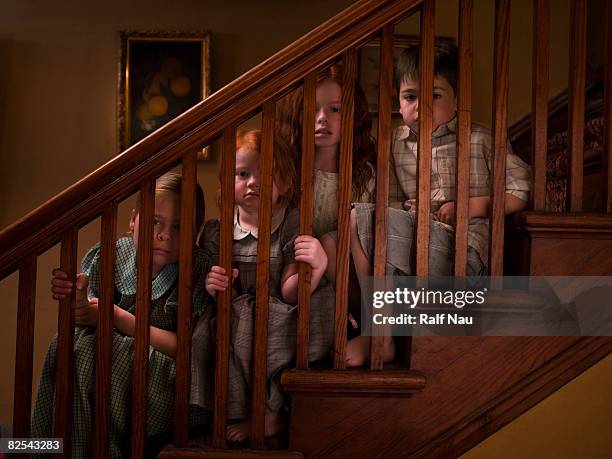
195,128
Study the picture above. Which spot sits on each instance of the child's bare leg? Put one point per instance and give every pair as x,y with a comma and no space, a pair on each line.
363,266
274,424
358,349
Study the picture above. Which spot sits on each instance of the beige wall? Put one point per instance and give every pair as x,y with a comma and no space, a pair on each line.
58,89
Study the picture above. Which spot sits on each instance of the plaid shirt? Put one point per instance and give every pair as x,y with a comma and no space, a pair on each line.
403,179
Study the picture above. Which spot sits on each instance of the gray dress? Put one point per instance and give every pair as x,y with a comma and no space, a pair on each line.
282,319
162,369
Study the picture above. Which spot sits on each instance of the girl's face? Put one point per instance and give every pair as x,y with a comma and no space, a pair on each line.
248,180
166,230
327,116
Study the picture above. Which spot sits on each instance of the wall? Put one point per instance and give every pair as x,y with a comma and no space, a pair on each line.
58,89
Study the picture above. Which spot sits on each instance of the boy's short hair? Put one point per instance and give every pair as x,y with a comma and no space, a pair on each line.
445,63
171,182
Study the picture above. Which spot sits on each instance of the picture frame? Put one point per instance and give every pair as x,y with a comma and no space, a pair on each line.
369,67
162,74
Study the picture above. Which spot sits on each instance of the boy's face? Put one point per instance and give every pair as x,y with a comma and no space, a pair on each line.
327,116
444,102
248,181
166,230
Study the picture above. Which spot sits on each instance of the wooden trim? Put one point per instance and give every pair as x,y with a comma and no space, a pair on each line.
22,398
607,152
140,371
533,388
171,452
226,240
384,383
260,346
539,102
183,321
577,80
546,221
425,130
383,149
65,345
306,203
501,74
464,126
195,128
345,170
104,331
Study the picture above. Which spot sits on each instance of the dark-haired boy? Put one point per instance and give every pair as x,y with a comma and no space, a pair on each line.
403,185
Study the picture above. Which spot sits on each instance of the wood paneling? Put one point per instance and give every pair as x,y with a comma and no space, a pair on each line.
345,169
305,272
464,123
65,345
25,346
104,331
183,320
539,102
260,345
501,72
577,79
140,375
228,166
426,62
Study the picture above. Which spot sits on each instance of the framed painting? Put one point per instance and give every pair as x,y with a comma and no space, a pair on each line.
369,66
162,74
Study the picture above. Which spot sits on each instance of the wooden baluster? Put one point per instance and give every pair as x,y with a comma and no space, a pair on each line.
226,239
539,101
464,125
260,348
425,130
143,313
607,175
65,345
577,79
501,59
25,347
385,97
349,71
308,128
104,331
183,324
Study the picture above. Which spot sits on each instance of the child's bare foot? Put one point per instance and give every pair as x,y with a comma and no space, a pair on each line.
274,424
358,351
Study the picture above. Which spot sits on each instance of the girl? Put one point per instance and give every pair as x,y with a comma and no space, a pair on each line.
327,147
164,297
286,249
325,182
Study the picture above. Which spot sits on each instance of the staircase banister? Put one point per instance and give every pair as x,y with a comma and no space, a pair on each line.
119,177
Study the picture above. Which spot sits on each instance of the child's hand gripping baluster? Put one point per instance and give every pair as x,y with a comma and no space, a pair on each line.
217,281
85,309
308,249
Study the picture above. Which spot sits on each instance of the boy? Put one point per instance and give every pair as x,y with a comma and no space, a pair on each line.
403,191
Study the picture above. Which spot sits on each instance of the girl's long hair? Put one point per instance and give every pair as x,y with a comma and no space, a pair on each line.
289,126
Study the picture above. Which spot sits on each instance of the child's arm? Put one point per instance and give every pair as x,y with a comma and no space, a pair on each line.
309,250
86,312
478,206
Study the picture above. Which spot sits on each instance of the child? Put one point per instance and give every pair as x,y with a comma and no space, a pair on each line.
286,249
327,147
166,242
403,192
